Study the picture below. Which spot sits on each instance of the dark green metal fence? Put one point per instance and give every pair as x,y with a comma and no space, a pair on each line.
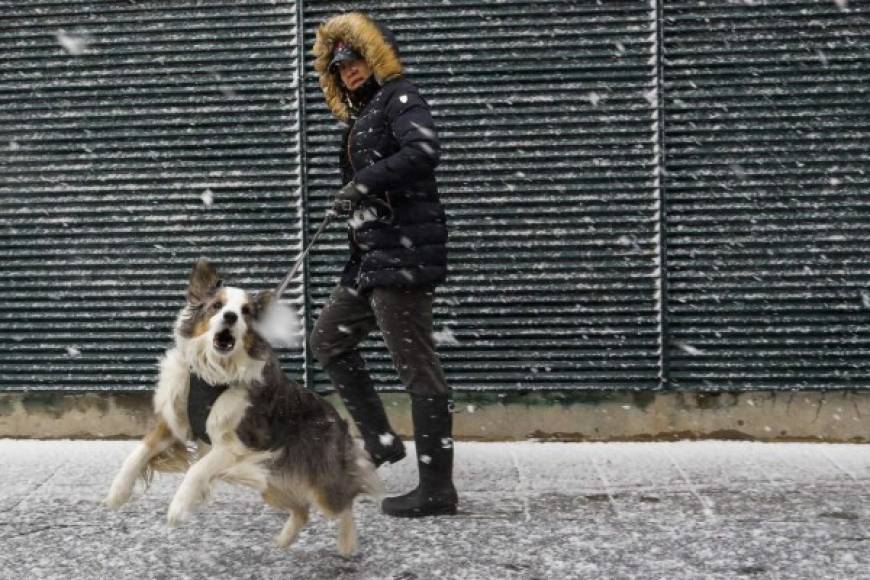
135,138
618,176
548,174
767,127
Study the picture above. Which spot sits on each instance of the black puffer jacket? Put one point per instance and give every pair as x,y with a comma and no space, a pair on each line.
399,231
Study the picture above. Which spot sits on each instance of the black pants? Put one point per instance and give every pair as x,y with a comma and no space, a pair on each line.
404,317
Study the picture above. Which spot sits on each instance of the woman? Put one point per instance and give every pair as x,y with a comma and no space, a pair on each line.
398,253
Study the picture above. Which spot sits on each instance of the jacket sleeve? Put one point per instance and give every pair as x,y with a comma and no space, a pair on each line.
419,151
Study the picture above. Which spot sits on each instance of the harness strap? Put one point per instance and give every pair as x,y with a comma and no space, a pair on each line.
200,400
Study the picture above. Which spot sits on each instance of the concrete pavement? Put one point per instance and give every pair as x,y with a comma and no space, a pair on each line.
529,511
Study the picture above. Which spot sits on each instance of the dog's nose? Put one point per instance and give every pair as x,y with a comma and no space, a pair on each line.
230,317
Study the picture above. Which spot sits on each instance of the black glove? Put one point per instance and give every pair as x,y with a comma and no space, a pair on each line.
346,199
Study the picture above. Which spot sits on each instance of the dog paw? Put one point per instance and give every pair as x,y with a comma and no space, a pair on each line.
178,514
284,541
288,536
347,549
116,498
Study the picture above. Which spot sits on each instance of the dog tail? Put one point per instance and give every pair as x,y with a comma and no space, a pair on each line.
174,459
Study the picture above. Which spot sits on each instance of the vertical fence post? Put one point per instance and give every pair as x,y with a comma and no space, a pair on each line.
661,190
303,194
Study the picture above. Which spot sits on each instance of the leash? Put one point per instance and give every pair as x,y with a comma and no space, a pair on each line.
330,215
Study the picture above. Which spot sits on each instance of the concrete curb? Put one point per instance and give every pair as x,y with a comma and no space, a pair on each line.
829,416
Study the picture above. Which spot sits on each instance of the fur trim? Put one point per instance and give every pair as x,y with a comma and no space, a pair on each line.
361,32
170,397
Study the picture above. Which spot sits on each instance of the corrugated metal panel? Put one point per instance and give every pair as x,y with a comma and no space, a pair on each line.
767,127
546,112
137,136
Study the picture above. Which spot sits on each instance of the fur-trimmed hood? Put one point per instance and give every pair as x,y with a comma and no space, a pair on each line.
371,40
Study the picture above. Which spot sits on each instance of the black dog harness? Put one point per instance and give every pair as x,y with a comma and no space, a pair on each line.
200,400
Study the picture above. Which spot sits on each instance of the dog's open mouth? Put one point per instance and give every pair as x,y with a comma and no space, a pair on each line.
224,341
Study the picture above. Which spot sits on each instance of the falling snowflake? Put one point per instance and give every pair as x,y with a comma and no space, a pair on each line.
73,351
688,348
843,4
425,131
207,197
822,57
75,44
445,336
280,326
865,298
386,439
425,459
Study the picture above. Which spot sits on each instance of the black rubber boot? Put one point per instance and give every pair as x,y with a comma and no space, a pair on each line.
350,377
435,495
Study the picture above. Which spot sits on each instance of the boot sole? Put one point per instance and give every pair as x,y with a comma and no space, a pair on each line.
437,511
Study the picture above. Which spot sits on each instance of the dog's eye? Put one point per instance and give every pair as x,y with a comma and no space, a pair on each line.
246,310
217,305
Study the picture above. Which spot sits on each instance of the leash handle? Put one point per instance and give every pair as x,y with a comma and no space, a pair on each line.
286,282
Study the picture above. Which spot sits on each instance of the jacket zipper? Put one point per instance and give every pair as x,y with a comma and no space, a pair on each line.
353,170
349,155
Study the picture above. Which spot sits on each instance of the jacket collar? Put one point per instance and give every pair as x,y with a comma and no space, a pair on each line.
358,99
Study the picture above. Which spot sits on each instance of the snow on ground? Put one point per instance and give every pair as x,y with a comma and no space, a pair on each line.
529,510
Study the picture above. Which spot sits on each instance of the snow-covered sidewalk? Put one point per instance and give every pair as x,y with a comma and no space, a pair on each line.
529,510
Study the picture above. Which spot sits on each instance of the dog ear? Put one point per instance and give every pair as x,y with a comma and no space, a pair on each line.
204,281
261,302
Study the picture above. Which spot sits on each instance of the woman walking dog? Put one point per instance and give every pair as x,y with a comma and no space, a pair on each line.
398,253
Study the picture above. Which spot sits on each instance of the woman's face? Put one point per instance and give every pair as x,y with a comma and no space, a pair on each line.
354,73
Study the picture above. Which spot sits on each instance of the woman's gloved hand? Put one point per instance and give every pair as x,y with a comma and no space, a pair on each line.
346,199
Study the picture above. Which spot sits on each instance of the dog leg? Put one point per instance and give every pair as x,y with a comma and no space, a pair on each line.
297,520
156,441
197,483
346,533
249,474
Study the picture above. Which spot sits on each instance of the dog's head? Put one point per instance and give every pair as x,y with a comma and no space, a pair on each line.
222,320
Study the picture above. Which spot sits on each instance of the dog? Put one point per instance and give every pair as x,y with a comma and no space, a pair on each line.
263,431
